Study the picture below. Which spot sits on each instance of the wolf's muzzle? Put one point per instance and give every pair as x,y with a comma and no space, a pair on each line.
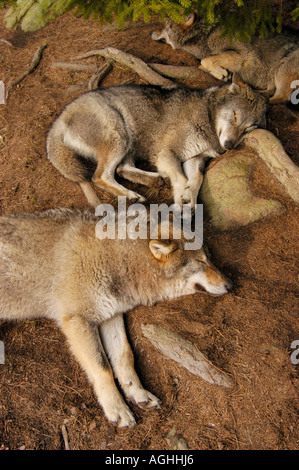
228,144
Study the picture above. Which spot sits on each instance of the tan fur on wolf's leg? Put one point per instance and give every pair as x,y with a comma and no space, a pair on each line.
170,166
193,170
136,175
282,94
219,65
104,178
283,81
117,348
278,99
85,344
90,193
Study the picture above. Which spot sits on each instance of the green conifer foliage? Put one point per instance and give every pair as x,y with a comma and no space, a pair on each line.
239,18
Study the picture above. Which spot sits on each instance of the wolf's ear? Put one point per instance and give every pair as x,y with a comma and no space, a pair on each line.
234,89
191,19
161,249
237,84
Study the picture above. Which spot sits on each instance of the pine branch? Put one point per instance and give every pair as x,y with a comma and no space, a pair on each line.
239,18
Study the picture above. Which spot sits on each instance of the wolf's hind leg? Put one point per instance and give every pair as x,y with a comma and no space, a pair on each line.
66,161
104,176
284,80
90,193
129,171
121,357
85,344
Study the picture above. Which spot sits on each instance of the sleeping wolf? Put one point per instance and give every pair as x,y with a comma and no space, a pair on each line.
52,265
114,127
270,64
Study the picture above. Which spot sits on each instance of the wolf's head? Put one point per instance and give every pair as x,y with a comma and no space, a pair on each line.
238,110
186,270
177,35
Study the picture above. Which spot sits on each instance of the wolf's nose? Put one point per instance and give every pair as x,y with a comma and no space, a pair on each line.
229,285
228,144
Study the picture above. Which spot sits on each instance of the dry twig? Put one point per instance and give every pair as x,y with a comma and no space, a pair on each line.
6,42
65,437
184,72
99,75
34,63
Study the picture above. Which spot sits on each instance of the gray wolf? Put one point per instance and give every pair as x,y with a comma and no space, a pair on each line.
270,64
116,126
52,265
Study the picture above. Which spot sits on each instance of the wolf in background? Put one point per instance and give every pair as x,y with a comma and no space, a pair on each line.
270,64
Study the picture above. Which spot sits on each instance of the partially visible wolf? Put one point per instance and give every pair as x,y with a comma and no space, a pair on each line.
52,265
114,127
270,64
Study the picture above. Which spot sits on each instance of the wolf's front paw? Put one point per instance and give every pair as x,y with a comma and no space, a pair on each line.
186,197
214,69
220,73
121,415
135,197
145,400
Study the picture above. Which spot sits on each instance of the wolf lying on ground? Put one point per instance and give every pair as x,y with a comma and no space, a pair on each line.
52,265
270,64
114,127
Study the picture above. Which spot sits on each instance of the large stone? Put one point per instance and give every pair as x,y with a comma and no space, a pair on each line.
227,194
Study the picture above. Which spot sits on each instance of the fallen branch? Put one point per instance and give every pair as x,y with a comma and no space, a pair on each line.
155,74
99,75
34,63
136,64
176,348
180,71
75,67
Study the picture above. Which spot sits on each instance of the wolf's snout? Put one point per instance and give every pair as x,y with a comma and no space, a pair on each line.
229,144
154,35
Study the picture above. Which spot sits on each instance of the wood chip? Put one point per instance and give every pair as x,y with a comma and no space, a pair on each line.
65,437
186,354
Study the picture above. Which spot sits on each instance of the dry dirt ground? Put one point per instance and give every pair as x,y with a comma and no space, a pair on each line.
247,333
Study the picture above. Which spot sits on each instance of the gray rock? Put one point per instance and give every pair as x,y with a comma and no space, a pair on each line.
226,192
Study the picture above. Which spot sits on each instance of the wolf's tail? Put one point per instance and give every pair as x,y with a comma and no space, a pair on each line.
66,160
